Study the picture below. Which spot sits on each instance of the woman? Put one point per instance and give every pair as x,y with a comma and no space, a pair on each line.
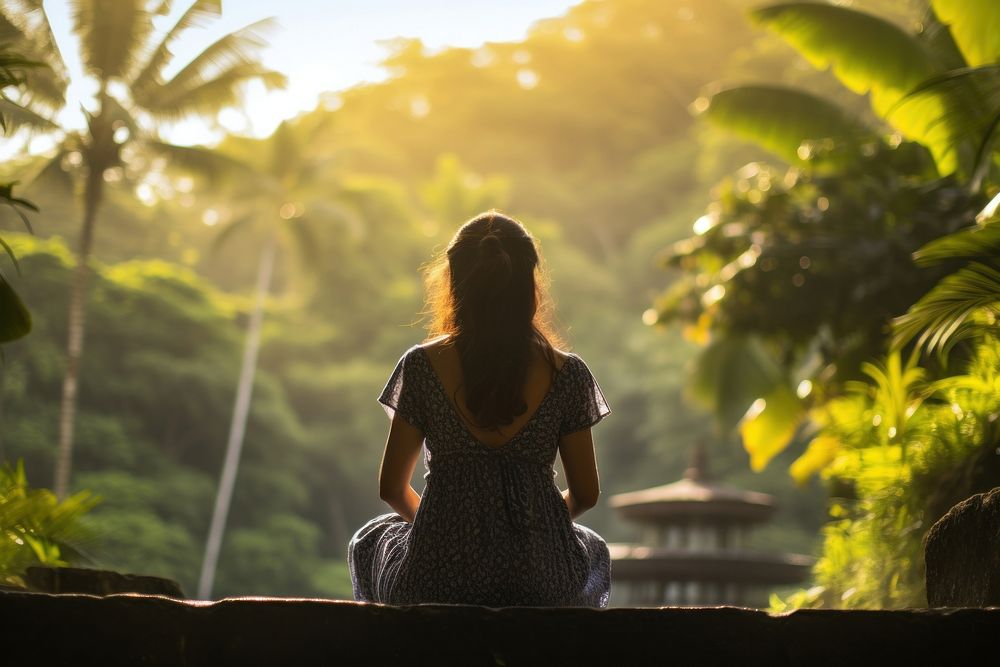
491,401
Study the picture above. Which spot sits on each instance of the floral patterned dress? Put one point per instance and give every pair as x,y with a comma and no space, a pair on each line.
492,527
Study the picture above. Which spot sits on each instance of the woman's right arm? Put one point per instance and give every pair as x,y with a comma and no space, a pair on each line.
402,449
580,465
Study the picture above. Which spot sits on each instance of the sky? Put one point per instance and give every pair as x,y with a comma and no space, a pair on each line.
321,45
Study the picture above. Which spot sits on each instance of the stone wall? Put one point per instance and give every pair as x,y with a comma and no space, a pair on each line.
151,630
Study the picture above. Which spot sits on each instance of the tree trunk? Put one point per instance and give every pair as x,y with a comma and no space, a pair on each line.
93,192
237,426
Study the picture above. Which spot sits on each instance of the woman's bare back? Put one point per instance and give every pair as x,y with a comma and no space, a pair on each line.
445,362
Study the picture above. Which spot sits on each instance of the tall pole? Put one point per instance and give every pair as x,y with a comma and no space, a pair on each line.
238,426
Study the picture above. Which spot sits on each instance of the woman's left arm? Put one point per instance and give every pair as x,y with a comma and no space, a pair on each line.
402,448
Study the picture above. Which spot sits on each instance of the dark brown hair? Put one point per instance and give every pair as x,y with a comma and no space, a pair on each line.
487,294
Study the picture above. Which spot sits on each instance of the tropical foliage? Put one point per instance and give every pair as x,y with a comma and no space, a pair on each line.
36,528
15,320
122,54
809,266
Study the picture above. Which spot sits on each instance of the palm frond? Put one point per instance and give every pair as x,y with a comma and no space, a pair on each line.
111,34
236,49
979,241
206,162
793,124
29,34
151,73
973,23
210,97
15,320
949,307
163,8
13,116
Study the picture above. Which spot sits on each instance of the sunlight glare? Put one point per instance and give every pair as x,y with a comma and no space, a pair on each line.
989,210
804,389
713,295
755,410
527,78
704,223
144,191
420,106
483,57
651,31
233,120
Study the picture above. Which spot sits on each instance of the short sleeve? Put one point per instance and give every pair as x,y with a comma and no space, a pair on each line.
402,393
584,403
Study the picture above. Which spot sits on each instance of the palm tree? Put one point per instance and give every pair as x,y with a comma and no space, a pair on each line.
133,98
282,195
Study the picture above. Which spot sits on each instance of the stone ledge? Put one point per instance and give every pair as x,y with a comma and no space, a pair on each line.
152,630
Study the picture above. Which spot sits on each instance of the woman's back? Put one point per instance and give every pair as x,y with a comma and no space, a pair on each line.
446,363
492,527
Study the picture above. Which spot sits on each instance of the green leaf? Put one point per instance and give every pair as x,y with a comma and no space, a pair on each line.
871,55
865,52
789,122
770,425
15,320
10,253
730,374
937,319
978,241
967,104
973,24
822,450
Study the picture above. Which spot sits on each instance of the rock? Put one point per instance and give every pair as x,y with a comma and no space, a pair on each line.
98,582
962,552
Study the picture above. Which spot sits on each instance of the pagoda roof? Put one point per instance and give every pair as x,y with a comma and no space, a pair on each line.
694,497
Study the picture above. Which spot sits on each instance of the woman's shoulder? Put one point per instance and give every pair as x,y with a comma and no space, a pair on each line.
434,350
561,357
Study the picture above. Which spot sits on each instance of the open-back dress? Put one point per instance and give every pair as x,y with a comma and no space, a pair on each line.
492,527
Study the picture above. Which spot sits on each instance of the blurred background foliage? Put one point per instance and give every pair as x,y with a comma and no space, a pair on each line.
585,131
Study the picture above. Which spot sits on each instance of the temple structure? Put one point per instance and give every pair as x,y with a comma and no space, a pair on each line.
695,546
